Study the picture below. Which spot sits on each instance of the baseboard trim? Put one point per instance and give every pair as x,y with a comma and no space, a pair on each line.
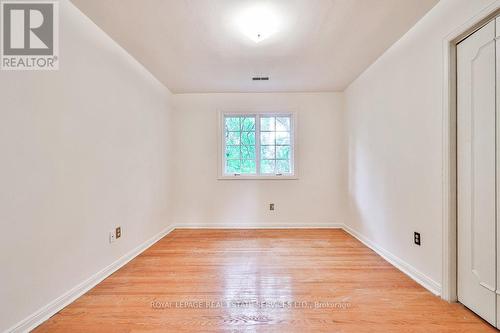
67,298
397,262
58,304
258,226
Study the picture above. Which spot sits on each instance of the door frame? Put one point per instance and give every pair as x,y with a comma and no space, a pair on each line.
449,214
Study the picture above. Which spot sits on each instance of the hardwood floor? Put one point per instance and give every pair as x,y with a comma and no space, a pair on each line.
316,280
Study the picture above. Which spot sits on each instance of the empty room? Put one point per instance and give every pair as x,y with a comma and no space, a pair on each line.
249,166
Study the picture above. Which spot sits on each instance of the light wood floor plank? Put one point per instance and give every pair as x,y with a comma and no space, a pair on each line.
233,272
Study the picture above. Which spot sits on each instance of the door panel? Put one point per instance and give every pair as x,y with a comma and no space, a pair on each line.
476,170
497,33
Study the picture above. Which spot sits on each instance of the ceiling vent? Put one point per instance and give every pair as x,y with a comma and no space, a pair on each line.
261,78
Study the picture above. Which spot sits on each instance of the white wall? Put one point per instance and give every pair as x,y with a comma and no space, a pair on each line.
83,149
315,199
394,137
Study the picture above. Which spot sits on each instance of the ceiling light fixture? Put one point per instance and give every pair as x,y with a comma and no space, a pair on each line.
258,23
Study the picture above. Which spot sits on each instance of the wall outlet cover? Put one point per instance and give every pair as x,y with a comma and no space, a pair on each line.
112,236
416,238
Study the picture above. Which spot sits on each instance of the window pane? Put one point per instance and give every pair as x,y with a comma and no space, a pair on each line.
248,124
283,152
267,166
267,152
232,124
232,152
248,152
247,138
233,166
232,138
282,138
267,123
275,153
283,166
282,123
248,166
267,138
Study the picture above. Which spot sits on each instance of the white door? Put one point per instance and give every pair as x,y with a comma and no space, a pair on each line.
476,171
498,167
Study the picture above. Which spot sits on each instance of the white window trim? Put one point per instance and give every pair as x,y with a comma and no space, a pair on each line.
221,159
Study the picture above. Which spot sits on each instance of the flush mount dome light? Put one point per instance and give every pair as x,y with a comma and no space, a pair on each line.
258,22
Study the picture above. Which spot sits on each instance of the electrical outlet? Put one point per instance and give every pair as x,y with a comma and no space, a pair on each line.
416,238
112,236
271,206
118,232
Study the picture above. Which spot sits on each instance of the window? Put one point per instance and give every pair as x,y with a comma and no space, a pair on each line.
257,145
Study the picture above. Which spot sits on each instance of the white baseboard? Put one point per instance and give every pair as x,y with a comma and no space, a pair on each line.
397,262
62,301
204,225
53,307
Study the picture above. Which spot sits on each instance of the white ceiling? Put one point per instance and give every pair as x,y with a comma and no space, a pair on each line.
193,45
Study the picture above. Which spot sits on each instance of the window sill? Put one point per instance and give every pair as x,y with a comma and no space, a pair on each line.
229,177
